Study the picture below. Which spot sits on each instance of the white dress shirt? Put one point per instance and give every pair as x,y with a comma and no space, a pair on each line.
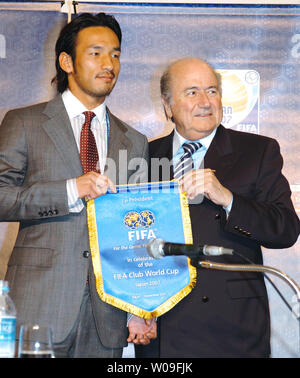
75,109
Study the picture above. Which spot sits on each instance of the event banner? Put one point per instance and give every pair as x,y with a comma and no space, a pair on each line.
120,227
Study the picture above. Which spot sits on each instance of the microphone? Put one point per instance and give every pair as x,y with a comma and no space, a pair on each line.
158,248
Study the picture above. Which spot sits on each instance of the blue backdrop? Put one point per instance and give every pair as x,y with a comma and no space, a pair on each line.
256,48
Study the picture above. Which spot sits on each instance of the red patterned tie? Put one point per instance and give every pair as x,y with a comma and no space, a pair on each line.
88,148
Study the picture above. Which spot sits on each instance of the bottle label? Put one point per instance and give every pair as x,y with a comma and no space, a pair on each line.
7,336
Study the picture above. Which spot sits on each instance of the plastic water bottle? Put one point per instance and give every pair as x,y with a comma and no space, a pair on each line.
7,322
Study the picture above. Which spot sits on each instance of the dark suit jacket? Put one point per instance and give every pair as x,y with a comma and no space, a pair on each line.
49,264
226,314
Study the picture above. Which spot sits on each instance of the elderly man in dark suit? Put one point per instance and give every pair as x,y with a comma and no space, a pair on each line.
44,181
239,199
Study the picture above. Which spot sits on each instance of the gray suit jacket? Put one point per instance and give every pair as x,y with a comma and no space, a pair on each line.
49,264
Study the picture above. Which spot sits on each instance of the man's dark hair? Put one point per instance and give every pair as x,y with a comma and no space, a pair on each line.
66,41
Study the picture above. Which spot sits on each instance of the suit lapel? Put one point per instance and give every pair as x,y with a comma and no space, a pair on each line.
220,154
159,149
117,139
118,142
165,147
59,129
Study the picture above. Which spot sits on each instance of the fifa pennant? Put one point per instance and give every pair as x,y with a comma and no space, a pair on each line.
120,227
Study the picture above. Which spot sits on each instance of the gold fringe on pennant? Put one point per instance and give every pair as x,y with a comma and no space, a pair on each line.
186,220
119,303
94,244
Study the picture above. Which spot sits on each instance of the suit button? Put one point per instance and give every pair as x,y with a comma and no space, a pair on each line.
205,299
86,254
217,216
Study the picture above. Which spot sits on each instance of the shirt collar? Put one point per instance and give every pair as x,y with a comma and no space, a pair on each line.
179,140
75,108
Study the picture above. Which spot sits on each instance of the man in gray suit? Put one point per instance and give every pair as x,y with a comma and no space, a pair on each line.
42,186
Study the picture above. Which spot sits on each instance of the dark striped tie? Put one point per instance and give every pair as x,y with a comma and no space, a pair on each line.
185,163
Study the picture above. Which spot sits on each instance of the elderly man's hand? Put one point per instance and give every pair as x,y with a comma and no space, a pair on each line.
205,182
141,331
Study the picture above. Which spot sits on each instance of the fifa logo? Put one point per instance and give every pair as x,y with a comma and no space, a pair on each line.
140,225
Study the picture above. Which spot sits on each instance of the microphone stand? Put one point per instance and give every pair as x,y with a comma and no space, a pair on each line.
253,268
